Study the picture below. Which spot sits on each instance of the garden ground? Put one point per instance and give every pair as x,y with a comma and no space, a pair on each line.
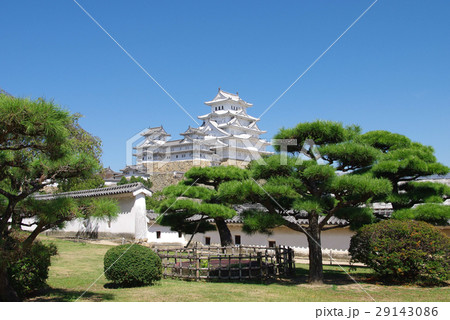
79,264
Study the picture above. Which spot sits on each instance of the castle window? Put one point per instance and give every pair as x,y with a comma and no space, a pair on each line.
237,239
180,234
272,244
207,241
158,234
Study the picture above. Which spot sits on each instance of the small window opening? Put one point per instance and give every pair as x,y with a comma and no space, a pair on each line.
158,234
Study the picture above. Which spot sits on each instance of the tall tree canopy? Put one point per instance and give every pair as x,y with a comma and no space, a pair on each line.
403,162
197,196
42,144
290,185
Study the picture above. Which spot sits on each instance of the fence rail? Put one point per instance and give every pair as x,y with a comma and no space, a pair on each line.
227,263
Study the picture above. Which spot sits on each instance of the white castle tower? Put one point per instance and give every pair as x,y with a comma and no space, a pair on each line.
237,132
227,136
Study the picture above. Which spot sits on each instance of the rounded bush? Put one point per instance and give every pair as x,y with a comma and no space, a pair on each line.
28,270
132,265
404,251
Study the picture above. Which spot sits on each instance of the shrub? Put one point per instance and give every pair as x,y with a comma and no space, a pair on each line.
433,213
404,251
132,265
28,269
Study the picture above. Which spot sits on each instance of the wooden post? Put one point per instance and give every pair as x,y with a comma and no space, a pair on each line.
260,264
209,266
220,266
266,258
229,267
240,268
197,266
292,259
250,267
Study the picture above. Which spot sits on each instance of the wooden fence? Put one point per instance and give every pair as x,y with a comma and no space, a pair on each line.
227,263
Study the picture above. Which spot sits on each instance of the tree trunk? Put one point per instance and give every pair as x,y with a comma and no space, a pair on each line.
224,232
315,250
8,213
7,293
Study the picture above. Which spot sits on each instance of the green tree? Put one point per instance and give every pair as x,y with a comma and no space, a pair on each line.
288,185
197,196
123,181
74,184
147,183
403,162
41,144
433,213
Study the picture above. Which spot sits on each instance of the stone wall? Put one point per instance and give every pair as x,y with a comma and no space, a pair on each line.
237,163
174,166
165,179
163,174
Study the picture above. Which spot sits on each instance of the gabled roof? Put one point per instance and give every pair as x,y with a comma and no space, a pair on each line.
133,168
99,192
156,130
223,96
212,125
234,113
108,173
191,130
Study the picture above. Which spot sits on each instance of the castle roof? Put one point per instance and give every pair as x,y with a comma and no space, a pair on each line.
156,130
237,113
223,96
191,130
129,169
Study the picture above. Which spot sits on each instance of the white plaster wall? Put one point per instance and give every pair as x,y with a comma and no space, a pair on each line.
139,212
124,223
167,236
333,239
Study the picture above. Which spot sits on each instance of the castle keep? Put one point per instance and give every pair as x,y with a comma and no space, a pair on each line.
228,135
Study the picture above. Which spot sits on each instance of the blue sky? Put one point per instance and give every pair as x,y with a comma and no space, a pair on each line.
391,71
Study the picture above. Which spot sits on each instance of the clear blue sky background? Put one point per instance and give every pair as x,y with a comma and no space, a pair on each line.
391,71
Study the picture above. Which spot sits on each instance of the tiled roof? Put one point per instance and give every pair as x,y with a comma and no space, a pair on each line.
299,218
191,130
108,191
227,96
154,130
380,210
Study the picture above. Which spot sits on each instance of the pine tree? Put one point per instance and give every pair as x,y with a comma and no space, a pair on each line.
41,144
288,185
403,162
194,202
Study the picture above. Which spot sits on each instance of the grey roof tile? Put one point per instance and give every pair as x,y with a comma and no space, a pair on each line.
108,191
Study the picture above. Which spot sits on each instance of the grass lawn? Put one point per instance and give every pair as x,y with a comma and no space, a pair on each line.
78,265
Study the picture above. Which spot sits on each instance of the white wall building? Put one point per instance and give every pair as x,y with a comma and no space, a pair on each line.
131,222
335,238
